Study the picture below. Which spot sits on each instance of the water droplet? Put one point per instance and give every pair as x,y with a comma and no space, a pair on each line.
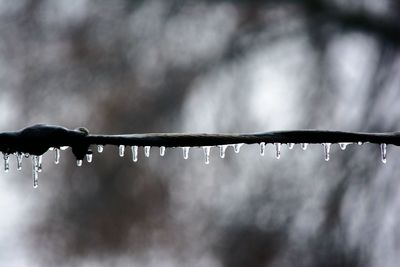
262,148
79,162
56,155
162,151
237,147
304,146
35,175
6,162
147,151
185,151
100,148
121,150
39,163
19,161
206,150
89,157
290,145
278,150
327,148
343,146
383,153
222,149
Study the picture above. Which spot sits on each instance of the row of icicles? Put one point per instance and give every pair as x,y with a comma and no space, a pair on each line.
37,160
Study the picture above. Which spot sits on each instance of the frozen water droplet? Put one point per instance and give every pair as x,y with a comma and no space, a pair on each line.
237,147
100,148
262,148
185,151
6,162
290,145
89,157
162,151
39,163
19,161
327,148
343,146
35,175
64,147
56,155
304,146
79,162
383,153
278,150
121,150
147,151
27,155
359,143
222,149
134,150
206,150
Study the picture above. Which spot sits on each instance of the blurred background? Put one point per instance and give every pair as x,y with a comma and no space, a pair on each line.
130,66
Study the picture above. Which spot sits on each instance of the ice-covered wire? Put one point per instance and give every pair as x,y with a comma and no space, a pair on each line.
37,139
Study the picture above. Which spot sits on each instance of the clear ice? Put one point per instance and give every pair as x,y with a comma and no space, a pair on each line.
19,161
6,162
121,150
237,147
162,151
262,148
327,148
147,151
222,149
383,153
206,150
56,155
134,153
185,151
278,150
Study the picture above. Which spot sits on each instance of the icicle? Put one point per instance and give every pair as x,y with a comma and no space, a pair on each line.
19,161
89,157
222,149
278,150
290,145
39,165
304,146
237,147
134,153
79,162
35,175
100,148
262,148
383,153
185,151
206,150
147,151
343,146
56,156
6,162
327,148
162,151
121,151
